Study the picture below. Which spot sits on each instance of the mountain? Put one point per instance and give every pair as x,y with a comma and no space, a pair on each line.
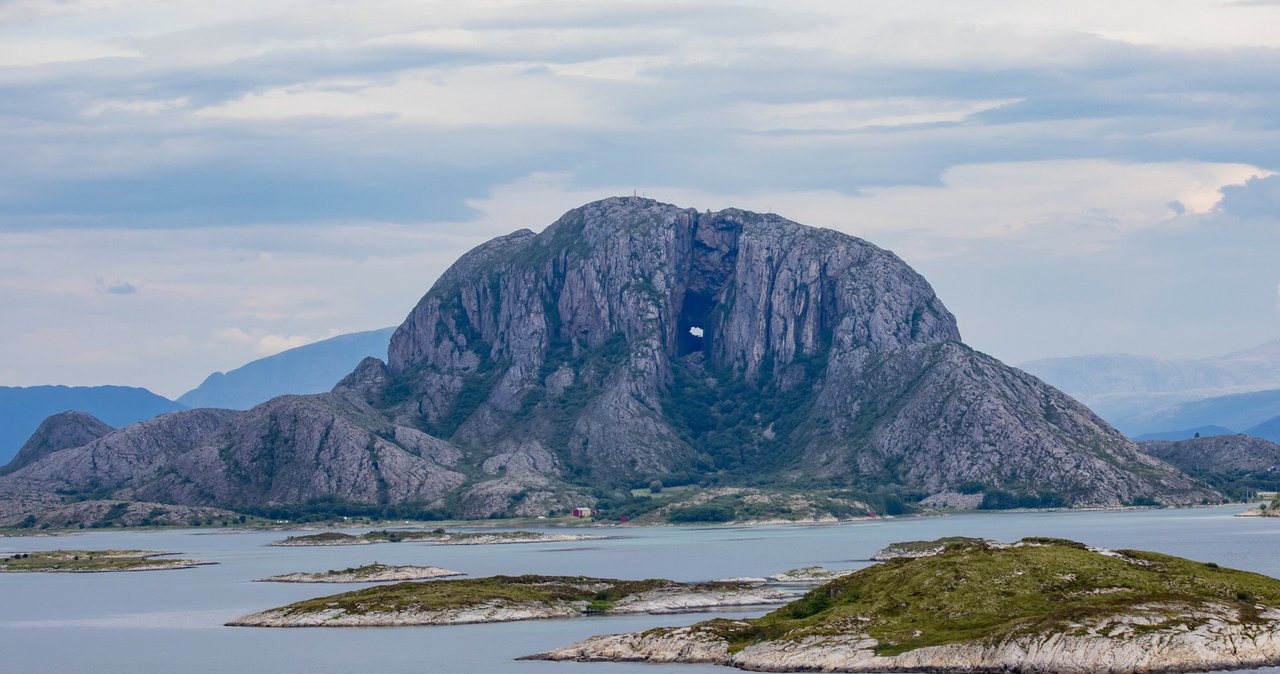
1237,412
1236,464
23,408
633,340
313,368
1269,429
58,432
1123,388
1186,433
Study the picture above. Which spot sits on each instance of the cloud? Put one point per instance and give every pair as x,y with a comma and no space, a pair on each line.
292,170
115,288
1258,197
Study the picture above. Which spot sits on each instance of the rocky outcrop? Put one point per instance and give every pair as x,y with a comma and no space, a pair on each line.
1213,645
634,338
58,432
1040,605
505,599
372,573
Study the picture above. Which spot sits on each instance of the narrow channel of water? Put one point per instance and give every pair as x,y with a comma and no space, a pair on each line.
171,621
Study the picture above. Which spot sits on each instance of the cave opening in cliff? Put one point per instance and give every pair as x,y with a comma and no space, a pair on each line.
695,316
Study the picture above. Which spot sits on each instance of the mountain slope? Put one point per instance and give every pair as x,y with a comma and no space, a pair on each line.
313,368
821,357
23,408
1235,464
58,432
634,340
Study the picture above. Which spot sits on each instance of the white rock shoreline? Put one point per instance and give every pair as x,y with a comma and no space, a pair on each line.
380,575
1214,646
657,601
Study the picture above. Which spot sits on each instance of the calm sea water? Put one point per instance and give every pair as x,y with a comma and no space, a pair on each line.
171,621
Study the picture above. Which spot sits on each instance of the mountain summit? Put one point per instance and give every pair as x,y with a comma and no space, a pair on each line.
635,340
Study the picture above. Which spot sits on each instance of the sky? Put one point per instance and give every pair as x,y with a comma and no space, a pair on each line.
188,185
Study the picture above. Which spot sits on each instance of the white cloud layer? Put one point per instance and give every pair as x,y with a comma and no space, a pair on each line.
186,185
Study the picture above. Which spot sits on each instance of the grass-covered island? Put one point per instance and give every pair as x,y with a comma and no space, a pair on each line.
438,536
1040,605
507,598
92,561
369,573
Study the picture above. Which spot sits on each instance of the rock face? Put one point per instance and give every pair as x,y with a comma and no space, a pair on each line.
1040,605
1218,454
634,340
60,431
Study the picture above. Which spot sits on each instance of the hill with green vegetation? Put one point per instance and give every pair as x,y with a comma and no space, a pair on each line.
1042,605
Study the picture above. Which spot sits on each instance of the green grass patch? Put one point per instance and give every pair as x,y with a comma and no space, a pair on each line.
973,591
88,561
596,594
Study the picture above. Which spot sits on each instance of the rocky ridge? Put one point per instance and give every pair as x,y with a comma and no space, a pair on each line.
60,431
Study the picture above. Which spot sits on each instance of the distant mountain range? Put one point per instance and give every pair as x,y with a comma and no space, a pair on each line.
313,368
23,408
1186,433
1141,395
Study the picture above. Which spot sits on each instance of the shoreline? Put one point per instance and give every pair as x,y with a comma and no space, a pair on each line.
483,525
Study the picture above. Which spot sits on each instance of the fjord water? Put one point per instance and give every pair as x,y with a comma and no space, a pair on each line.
167,621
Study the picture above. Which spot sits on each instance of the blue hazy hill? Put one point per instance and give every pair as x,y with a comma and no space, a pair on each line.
313,368
1267,430
1187,433
22,408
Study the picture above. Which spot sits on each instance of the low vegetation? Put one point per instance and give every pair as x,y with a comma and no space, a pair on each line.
599,594
88,561
435,535
371,573
974,590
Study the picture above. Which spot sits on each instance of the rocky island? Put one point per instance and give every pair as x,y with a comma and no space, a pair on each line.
627,343
509,598
92,561
437,536
369,573
1039,605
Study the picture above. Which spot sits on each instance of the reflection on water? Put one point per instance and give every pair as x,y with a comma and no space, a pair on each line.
167,621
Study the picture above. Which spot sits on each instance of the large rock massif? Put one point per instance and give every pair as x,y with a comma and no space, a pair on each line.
632,340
